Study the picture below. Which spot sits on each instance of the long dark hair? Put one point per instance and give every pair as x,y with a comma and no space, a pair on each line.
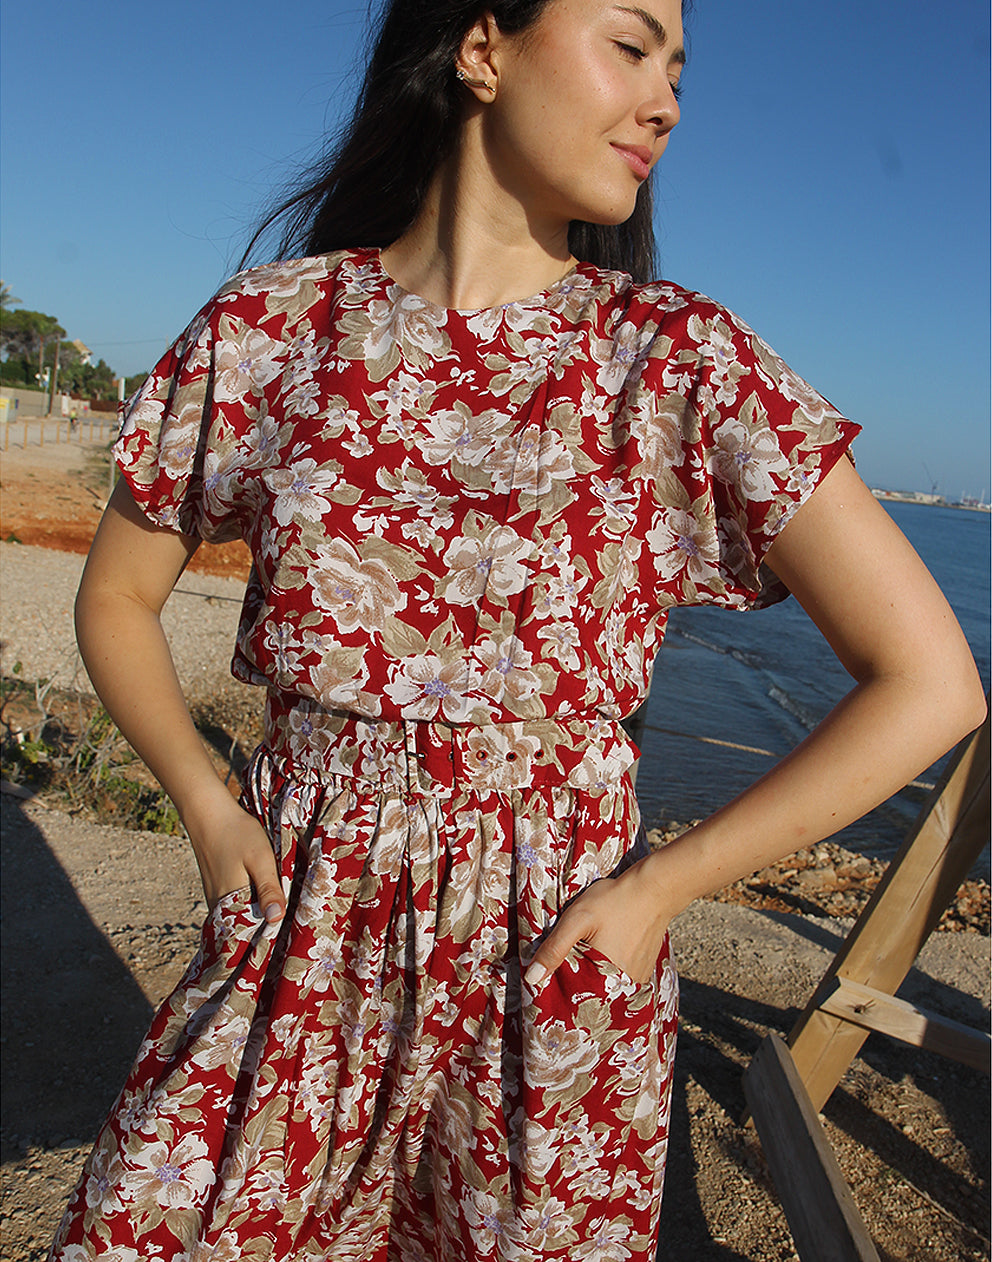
369,188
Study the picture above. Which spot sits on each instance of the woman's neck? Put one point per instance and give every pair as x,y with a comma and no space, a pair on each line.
472,246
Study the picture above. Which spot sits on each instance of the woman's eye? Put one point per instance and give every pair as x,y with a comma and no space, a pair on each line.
631,51
677,90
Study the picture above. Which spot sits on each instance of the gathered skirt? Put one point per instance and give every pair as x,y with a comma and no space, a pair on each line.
370,1079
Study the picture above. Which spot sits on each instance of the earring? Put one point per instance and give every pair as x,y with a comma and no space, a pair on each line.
475,83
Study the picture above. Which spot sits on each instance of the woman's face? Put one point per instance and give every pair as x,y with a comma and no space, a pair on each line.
585,103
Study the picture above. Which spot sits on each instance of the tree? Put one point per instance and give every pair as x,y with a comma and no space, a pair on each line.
7,299
25,334
89,381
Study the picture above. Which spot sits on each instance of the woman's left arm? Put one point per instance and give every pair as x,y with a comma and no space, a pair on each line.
917,692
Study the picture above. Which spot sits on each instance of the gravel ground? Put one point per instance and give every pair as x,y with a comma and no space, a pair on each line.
39,588
98,923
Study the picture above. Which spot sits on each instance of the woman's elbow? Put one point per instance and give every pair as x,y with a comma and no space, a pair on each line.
974,706
961,700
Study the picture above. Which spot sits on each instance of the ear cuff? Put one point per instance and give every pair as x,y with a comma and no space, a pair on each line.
475,83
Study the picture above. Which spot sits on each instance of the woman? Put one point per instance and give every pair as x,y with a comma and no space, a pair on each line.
476,465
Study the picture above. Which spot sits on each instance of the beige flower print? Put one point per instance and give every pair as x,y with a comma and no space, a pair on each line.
458,435
657,425
746,454
492,563
179,441
530,462
225,1044
245,362
557,1057
359,595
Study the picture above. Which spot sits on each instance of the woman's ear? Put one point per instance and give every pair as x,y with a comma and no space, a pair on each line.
478,57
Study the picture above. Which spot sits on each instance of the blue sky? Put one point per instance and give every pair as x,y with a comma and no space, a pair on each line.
828,181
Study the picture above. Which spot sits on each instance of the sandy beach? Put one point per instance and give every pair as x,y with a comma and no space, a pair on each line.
99,922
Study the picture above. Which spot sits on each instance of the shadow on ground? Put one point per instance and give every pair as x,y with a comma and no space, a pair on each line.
73,1014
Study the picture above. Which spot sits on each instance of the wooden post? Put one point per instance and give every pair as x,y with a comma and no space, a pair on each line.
25,431
823,1217
902,913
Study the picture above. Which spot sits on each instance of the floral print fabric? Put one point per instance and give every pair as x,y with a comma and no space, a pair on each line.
474,517
467,530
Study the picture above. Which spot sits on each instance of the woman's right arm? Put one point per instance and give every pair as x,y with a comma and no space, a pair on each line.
131,569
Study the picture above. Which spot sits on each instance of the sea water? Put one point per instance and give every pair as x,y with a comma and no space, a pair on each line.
732,692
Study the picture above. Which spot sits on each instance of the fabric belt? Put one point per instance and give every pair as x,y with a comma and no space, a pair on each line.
423,757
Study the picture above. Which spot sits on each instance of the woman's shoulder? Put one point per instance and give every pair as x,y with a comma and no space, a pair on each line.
285,278
665,318
663,300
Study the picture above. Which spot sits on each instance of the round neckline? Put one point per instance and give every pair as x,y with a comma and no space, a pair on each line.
533,300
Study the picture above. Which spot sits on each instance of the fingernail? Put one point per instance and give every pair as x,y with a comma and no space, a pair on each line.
273,912
535,975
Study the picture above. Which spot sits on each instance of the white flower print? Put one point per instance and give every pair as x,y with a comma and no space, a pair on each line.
426,687
727,368
504,670
405,395
681,544
280,280
174,1176
564,636
607,1242
465,531
301,491
225,1044
625,356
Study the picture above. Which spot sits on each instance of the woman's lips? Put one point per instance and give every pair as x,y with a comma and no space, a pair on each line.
637,157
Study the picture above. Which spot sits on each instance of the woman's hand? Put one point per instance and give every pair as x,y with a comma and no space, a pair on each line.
232,851
622,917
131,569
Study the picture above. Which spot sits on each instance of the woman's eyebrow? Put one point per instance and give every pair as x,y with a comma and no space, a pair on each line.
656,29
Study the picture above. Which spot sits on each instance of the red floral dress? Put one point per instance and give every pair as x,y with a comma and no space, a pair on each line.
467,531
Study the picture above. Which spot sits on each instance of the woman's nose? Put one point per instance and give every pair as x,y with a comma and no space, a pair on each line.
661,111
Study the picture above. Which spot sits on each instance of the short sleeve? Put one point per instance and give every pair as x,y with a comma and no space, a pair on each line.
177,446
749,441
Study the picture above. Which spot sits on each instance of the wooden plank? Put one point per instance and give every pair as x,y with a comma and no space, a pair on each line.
818,1204
904,909
888,1014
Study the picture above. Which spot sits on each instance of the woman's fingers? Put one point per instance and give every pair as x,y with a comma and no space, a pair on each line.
554,950
619,916
234,851
268,890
